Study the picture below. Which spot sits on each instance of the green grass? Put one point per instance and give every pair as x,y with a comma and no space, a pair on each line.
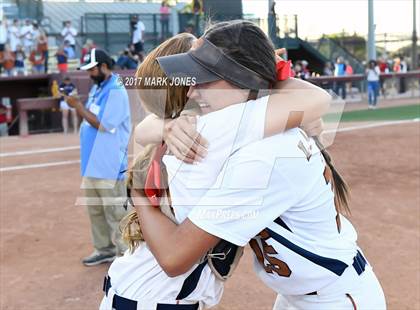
380,114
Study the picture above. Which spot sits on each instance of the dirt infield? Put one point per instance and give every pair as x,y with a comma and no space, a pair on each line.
44,236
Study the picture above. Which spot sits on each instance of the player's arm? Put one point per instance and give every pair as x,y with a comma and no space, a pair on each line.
178,247
294,103
112,115
149,130
91,118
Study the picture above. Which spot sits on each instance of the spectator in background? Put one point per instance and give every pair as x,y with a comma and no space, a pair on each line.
403,69
197,7
349,71
132,49
3,35
37,60
127,60
390,64
69,34
1,61
297,69
340,70
14,35
400,66
4,132
165,12
35,33
89,45
403,65
26,34
189,28
61,60
328,71
383,68
42,45
349,68
300,70
8,60
372,75
3,40
68,49
383,65
305,74
138,37
20,60
397,65
67,88
104,137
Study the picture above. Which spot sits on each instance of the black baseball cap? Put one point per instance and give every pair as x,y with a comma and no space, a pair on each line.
208,63
96,57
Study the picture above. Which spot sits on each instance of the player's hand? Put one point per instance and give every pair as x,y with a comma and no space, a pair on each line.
72,101
279,52
183,140
314,129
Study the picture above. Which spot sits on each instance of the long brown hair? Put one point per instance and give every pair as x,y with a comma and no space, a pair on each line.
175,97
164,101
340,187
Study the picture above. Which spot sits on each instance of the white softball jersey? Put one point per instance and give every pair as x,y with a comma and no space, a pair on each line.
138,276
278,189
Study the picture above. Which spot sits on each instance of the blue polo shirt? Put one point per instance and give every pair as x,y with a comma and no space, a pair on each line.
104,153
340,69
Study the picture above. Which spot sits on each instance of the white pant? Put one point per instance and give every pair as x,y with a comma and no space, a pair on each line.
365,291
106,303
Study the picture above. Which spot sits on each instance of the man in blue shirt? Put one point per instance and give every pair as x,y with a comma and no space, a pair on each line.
104,137
340,70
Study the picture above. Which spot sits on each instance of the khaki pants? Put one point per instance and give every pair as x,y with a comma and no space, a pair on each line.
105,199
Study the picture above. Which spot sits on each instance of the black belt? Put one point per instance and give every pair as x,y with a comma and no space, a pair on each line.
359,264
122,303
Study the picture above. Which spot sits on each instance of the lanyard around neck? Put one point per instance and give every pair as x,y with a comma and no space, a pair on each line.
100,88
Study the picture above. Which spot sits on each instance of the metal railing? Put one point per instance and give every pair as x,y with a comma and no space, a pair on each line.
393,85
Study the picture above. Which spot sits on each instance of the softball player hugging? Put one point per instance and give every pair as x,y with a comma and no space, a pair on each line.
141,280
305,249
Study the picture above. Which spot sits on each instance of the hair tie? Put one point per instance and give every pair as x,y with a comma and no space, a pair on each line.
284,70
153,188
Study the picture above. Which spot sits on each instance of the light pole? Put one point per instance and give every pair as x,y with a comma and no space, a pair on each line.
371,52
414,56
272,33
